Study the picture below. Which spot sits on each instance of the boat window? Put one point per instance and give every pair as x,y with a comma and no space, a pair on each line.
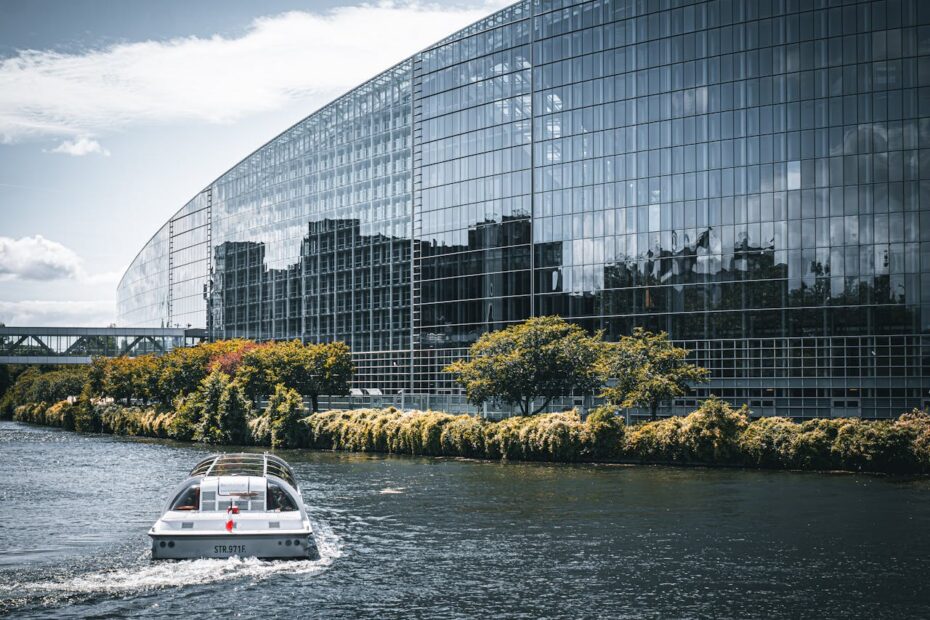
279,500
188,499
207,501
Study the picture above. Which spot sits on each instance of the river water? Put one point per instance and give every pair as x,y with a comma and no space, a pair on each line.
409,537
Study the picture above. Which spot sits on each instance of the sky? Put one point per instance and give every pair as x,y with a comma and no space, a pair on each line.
114,113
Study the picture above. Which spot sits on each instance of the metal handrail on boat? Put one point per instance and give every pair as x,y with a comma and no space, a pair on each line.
245,464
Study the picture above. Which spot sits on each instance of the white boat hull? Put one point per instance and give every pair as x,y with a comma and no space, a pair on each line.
278,545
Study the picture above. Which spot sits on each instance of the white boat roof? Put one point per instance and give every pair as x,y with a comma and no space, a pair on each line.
245,464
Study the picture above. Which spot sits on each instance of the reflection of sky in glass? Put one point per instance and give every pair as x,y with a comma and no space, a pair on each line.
794,175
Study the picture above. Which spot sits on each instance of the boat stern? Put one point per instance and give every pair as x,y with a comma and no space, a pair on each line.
294,545
180,535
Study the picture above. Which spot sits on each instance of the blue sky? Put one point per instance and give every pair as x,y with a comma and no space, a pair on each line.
113,113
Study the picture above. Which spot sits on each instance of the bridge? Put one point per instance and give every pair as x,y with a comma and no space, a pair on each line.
77,345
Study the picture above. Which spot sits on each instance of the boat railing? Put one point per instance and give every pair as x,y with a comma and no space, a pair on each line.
245,464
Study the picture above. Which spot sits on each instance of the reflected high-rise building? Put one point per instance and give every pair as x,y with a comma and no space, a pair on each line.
751,177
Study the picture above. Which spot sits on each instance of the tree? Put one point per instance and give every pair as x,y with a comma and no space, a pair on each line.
97,374
225,410
211,393
18,394
152,367
229,360
181,370
252,371
123,379
544,357
6,379
311,369
649,370
234,413
332,369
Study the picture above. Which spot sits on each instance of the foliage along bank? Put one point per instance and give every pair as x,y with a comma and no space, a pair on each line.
169,381
714,434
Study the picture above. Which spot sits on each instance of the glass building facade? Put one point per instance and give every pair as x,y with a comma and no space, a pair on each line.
752,177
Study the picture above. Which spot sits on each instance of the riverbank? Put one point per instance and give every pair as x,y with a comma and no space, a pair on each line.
713,435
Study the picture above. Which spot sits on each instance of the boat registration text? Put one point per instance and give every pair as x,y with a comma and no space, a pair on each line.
228,548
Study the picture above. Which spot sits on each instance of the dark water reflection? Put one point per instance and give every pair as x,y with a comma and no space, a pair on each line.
417,537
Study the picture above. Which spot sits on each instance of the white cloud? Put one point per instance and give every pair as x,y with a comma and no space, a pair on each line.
57,313
295,56
79,147
38,258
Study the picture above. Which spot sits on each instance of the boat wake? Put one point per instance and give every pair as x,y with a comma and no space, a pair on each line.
144,575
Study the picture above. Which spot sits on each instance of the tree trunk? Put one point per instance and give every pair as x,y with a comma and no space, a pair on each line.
544,405
314,403
653,410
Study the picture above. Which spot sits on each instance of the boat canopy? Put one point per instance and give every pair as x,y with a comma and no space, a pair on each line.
245,464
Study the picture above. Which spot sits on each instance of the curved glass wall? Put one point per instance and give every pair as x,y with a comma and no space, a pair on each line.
751,177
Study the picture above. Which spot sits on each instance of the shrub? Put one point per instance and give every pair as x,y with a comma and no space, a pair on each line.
463,435
86,416
120,420
211,392
420,433
32,413
185,423
260,430
656,441
553,437
359,429
875,446
711,434
65,415
605,433
917,424
286,408
154,422
767,442
234,414
372,430
503,438
812,445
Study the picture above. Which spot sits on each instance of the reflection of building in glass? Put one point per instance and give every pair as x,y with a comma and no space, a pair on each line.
751,178
342,286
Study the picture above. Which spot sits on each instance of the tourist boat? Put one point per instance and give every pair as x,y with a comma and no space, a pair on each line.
245,505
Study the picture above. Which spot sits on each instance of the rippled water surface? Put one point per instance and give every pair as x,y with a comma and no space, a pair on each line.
403,537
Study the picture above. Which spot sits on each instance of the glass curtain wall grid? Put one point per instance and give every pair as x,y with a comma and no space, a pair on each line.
752,177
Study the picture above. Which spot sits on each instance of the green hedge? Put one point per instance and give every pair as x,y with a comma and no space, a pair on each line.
715,434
